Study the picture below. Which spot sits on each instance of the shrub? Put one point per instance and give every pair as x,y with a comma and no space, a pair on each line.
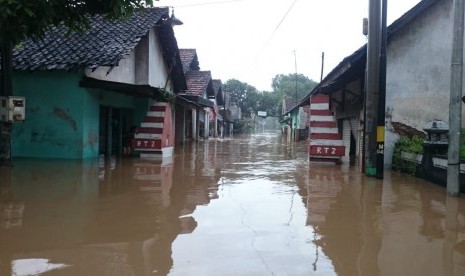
412,145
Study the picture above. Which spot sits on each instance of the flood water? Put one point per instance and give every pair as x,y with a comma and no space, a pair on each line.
250,205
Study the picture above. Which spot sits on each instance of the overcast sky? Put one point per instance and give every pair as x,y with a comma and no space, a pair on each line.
254,40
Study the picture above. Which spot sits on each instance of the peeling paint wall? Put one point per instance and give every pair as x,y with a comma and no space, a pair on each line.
63,118
53,128
418,72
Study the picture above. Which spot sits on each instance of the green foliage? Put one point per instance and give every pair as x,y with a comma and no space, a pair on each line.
31,18
270,102
243,126
412,145
165,96
250,100
241,93
292,86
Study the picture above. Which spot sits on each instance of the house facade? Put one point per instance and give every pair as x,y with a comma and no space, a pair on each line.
86,91
417,82
216,120
193,102
418,71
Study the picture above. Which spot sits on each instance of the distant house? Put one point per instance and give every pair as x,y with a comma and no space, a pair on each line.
291,122
417,84
216,120
85,91
193,101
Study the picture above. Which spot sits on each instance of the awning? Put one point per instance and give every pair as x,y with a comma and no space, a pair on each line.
124,88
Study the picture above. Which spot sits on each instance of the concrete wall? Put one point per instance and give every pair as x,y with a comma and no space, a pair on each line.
348,111
158,71
418,71
302,118
125,72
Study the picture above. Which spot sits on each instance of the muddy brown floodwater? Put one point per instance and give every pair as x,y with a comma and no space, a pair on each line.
250,205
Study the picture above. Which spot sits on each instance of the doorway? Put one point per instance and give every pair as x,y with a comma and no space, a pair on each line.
114,123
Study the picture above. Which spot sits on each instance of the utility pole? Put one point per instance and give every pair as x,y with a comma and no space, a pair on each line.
455,106
371,94
6,89
295,76
294,123
381,95
322,65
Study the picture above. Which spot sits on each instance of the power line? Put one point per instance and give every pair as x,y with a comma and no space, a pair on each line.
206,3
273,33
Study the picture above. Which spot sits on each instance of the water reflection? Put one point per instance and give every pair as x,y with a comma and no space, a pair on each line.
248,205
103,217
399,226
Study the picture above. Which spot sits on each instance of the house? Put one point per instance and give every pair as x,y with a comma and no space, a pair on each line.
291,119
216,120
193,101
86,91
199,88
417,84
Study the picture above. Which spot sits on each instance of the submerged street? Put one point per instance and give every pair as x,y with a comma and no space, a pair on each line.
249,205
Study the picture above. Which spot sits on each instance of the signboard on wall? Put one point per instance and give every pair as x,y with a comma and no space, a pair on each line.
261,113
323,150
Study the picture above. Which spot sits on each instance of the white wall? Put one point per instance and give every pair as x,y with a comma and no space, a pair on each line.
418,72
144,65
158,70
124,72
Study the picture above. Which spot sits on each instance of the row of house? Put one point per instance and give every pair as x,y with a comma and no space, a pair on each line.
118,83
419,50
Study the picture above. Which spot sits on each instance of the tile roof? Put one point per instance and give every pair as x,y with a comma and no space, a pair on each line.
405,130
288,105
189,59
199,83
105,43
217,88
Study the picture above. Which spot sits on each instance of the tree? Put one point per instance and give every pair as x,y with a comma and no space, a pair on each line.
241,93
250,100
292,86
20,19
31,18
270,102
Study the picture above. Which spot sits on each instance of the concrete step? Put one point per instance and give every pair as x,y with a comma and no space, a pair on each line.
326,136
151,125
324,130
151,130
322,124
148,119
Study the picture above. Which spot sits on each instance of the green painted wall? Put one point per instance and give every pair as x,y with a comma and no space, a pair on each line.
62,119
54,115
295,115
90,124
